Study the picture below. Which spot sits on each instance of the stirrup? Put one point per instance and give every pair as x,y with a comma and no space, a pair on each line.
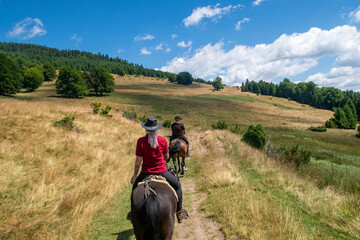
181,215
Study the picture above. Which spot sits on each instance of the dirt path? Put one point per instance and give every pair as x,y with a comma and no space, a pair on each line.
198,226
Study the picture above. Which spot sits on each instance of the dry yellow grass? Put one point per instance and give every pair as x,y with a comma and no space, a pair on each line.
254,197
53,180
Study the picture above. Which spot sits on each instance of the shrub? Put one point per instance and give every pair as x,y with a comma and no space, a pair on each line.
318,129
106,110
220,125
235,129
130,114
143,118
255,136
67,122
96,107
167,123
296,154
330,123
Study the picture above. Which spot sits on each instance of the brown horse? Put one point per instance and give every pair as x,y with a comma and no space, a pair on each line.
178,148
153,206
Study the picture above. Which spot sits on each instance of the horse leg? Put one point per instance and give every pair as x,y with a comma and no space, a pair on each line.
174,163
180,168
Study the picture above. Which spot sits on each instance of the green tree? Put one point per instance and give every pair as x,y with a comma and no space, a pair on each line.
184,78
102,81
71,83
49,71
33,79
217,84
350,113
341,119
10,79
172,77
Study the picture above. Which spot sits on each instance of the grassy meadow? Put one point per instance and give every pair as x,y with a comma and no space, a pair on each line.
59,184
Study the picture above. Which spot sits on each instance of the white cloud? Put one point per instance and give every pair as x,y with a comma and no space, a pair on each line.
342,77
77,39
182,44
146,37
213,13
28,28
287,56
120,50
237,26
144,51
355,15
159,47
173,36
257,2
168,50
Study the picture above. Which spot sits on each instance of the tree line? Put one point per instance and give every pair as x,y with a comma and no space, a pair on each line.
80,60
329,98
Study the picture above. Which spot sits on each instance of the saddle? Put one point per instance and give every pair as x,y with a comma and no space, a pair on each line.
155,178
175,148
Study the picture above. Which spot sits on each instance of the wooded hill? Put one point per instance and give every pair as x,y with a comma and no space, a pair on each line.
81,60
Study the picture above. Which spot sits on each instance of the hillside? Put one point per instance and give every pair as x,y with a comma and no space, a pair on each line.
60,184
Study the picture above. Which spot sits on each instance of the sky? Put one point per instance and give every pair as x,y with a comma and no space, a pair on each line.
302,40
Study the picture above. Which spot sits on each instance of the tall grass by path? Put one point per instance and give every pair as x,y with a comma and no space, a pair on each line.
53,181
265,200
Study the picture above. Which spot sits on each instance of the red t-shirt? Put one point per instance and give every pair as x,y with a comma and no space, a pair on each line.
153,158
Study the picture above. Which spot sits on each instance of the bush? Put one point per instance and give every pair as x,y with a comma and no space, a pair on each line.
167,123
131,115
67,122
96,107
331,123
318,129
143,118
106,110
296,154
220,125
235,129
255,136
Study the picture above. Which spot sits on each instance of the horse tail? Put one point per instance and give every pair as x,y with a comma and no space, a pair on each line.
152,216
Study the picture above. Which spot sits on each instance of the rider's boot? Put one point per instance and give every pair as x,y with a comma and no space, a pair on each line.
181,215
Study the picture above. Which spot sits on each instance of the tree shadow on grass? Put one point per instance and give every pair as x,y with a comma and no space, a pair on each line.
125,235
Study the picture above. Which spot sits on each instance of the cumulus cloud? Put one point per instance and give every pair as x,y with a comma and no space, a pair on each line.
237,26
257,2
355,15
28,28
146,37
173,36
168,50
77,39
144,51
213,13
182,44
287,56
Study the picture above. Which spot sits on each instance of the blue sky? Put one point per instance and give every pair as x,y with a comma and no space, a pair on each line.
303,40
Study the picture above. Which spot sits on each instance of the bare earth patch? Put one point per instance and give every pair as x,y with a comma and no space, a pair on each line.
198,226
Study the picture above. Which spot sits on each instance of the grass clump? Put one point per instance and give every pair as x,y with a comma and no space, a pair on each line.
167,123
67,122
131,114
295,155
106,110
142,118
318,129
220,125
96,107
255,136
235,129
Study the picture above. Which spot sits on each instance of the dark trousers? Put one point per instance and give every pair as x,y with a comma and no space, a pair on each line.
170,179
182,136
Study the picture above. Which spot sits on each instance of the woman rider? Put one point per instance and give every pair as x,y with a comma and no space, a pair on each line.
151,152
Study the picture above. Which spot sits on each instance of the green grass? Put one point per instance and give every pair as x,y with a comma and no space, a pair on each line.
112,223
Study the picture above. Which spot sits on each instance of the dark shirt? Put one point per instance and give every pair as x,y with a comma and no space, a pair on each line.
181,126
